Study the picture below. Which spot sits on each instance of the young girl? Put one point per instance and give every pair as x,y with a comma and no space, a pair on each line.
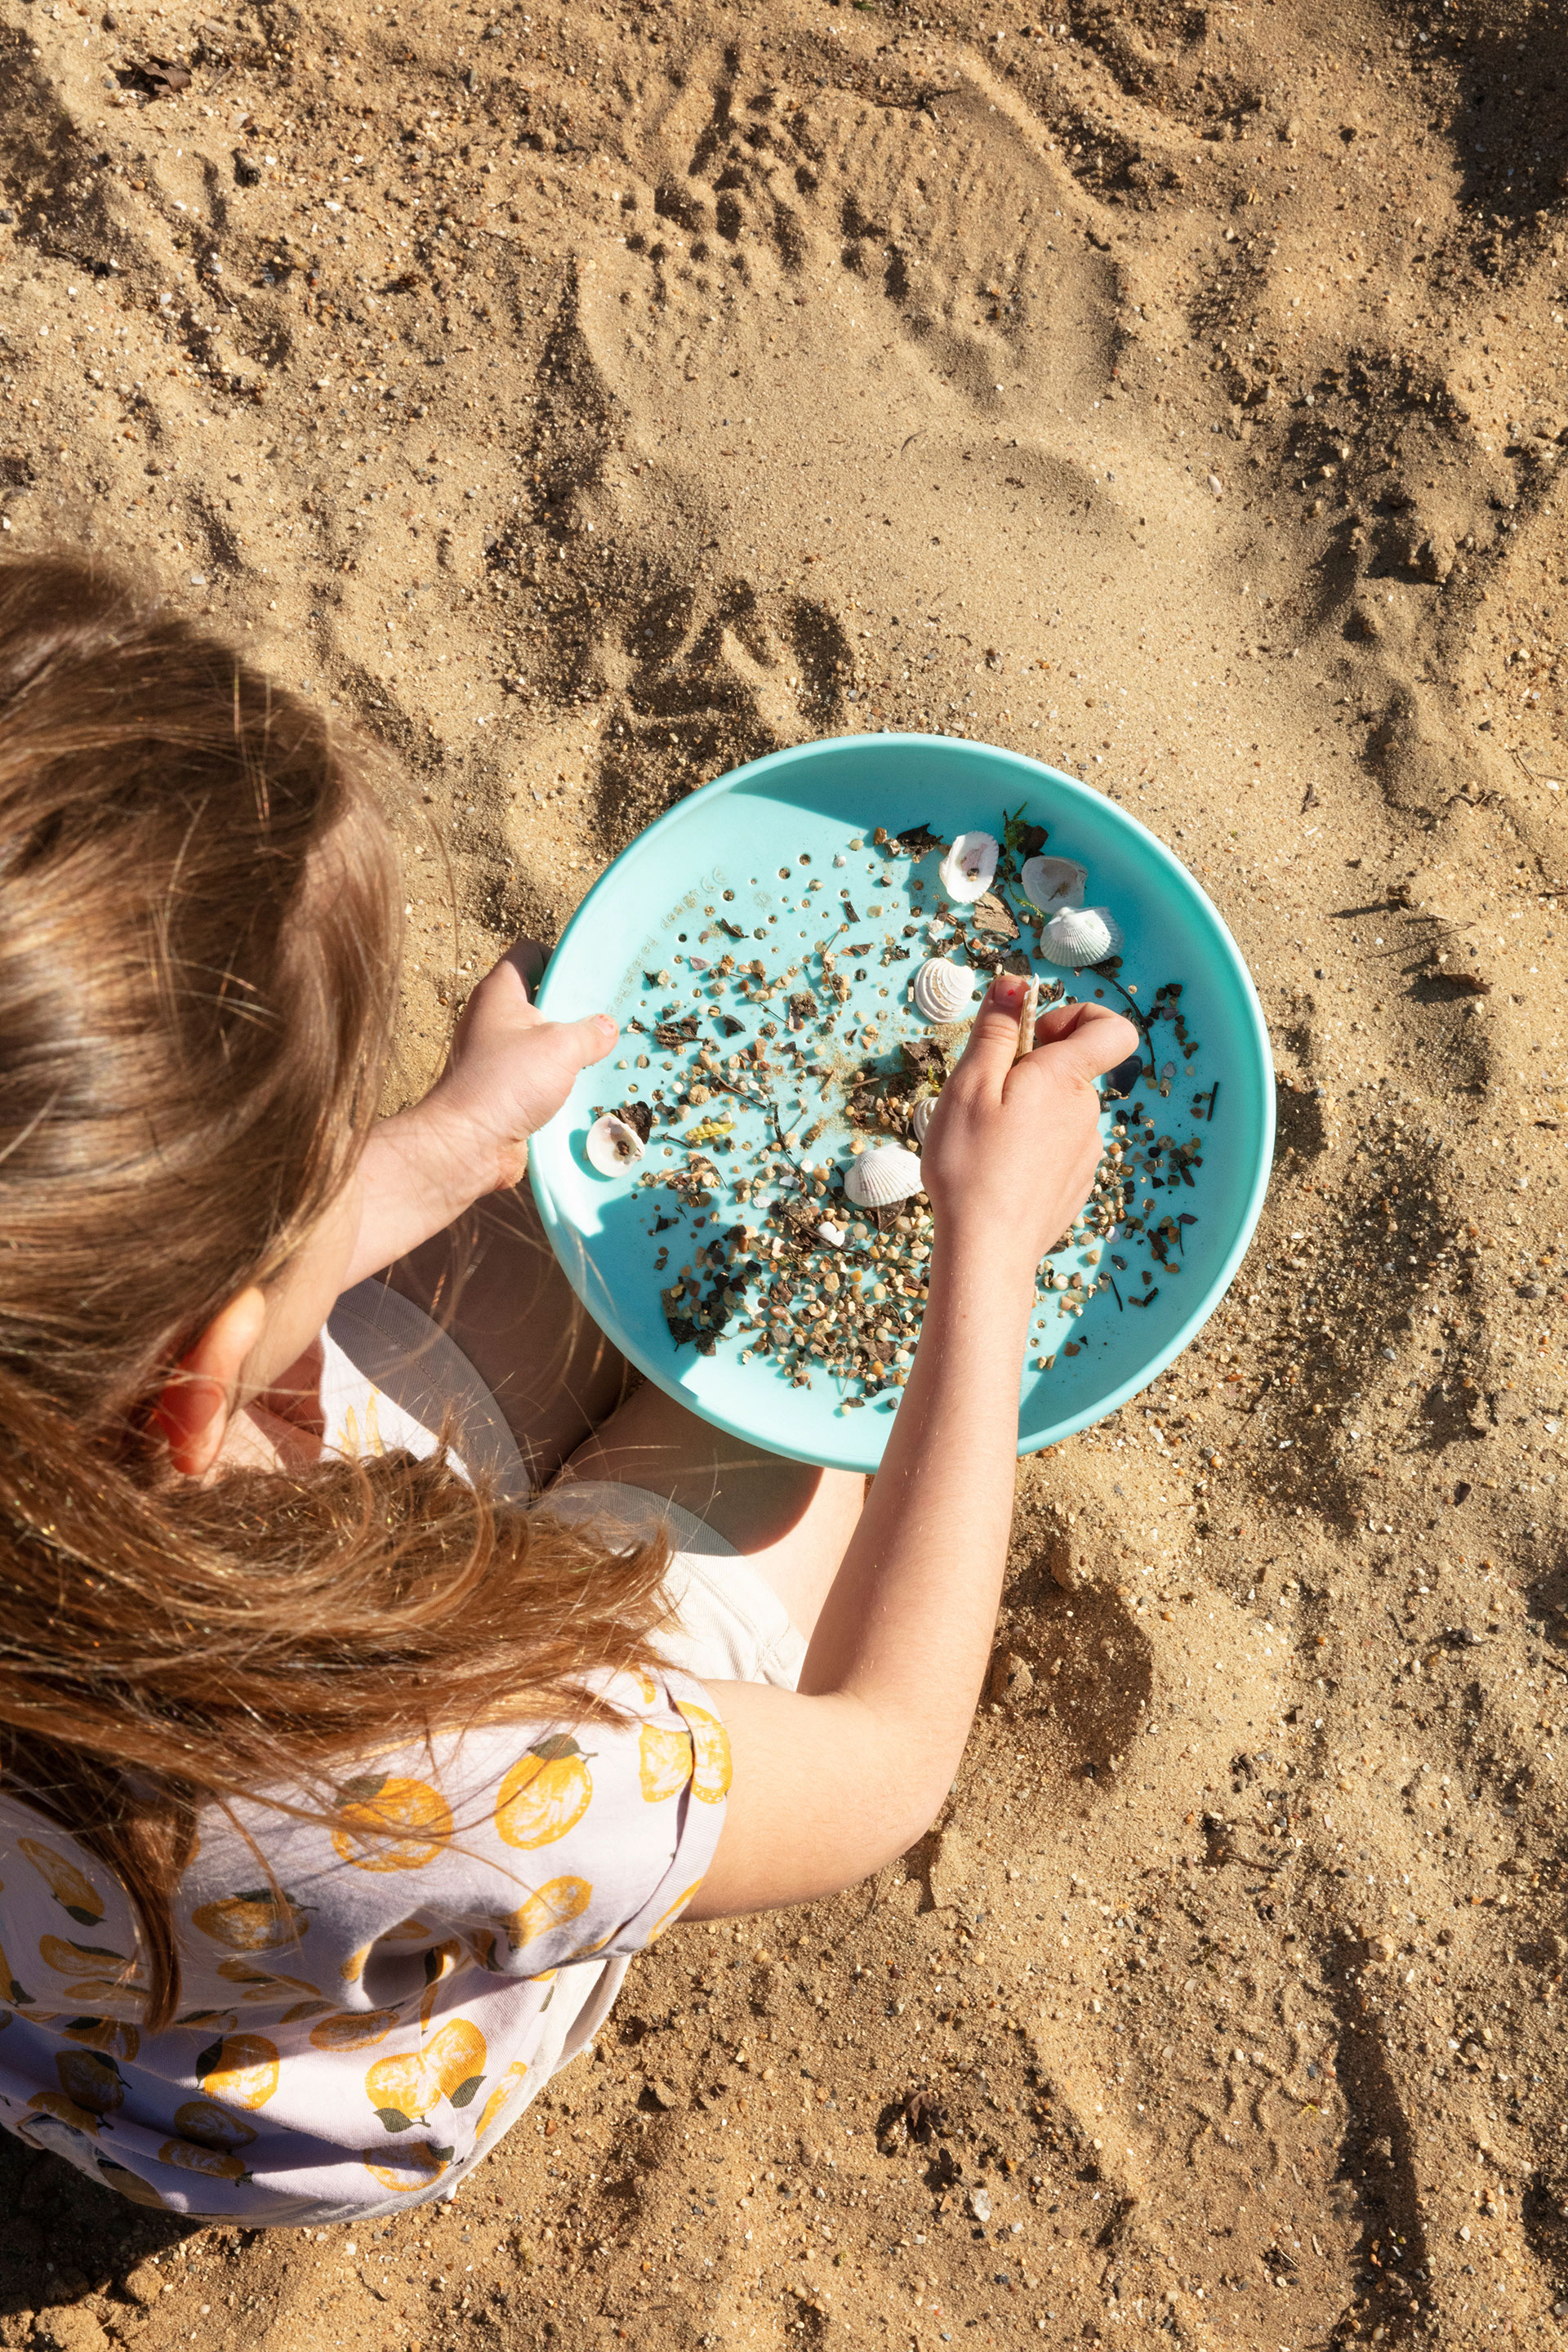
376,1675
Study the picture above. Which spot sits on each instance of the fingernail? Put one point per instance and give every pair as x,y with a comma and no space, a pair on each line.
606,1024
1007,991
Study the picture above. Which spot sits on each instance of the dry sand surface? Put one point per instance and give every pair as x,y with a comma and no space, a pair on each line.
586,400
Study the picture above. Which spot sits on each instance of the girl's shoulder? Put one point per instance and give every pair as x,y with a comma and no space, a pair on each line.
508,1847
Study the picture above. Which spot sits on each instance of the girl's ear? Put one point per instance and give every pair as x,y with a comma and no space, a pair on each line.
195,1405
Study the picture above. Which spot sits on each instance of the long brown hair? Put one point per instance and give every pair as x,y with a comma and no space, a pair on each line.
198,950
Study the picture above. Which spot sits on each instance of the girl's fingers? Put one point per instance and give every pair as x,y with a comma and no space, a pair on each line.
1090,1042
526,958
1056,1021
993,1040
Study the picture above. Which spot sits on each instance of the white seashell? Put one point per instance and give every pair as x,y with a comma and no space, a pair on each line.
967,871
1081,935
834,1235
612,1145
942,989
920,1118
1053,883
880,1177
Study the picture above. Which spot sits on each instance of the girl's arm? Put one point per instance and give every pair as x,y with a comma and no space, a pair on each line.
507,1072
833,1781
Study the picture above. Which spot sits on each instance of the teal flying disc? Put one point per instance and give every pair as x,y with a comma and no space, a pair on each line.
761,863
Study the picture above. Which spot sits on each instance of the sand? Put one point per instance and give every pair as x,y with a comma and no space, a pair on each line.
583,401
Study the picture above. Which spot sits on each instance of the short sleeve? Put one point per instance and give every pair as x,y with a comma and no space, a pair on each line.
518,1848
590,1843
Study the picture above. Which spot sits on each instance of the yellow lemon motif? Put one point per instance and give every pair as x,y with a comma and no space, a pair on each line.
451,2067
69,1960
212,2126
501,2096
664,1763
74,1893
65,2110
555,1905
391,1825
90,2079
256,1922
209,2160
646,1687
129,2184
241,2070
10,1989
405,2170
402,2091
675,1909
546,1792
107,2033
711,1781
354,2029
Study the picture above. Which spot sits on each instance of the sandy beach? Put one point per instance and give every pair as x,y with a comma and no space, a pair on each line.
582,402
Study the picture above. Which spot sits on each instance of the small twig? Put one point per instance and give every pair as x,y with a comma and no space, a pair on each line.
1028,1013
1140,1020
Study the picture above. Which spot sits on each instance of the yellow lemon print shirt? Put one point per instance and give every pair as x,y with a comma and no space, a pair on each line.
363,2005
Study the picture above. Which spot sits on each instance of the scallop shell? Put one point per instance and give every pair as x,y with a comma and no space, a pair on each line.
1053,883
1081,935
920,1118
942,989
612,1145
967,871
880,1177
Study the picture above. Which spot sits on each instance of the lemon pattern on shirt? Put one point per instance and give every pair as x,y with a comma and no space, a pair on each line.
368,1987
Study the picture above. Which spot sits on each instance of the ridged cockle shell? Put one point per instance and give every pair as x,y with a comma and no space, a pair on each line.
967,871
1081,935
884,1174
942,989
1053,883
612,1145
920,1118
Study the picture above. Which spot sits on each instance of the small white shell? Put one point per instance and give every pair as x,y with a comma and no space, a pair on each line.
612,1145
1053,883
920,1118
880,1177
834,1235
1082,935
969,869
942,989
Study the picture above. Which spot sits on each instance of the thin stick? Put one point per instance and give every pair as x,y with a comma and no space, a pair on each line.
1028,1015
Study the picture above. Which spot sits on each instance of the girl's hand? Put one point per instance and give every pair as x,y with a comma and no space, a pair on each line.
508,1071
1010,1154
